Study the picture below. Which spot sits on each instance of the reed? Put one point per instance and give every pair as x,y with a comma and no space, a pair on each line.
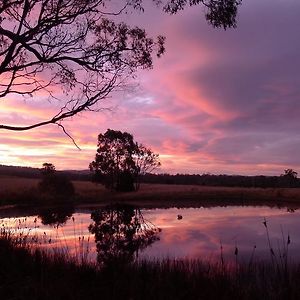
35,273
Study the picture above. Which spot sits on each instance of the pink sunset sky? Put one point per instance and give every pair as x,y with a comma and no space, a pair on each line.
217,101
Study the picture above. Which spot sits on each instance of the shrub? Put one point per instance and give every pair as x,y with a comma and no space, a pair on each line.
55,185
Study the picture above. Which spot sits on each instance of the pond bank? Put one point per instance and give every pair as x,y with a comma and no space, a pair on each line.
23,192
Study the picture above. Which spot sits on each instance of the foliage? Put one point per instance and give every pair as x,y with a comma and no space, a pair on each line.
120,161
219,13
290,173
48,169
71,44
53,184
77,47
290,178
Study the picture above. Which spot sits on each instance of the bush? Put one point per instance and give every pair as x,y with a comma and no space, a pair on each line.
55,185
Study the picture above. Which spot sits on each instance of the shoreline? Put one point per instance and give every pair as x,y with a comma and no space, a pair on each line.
152,196
23,193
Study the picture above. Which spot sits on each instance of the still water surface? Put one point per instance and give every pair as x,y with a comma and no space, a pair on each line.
165,233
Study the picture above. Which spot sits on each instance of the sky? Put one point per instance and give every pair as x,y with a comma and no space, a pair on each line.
223,102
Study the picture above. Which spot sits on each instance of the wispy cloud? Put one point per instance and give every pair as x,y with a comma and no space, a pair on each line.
218,101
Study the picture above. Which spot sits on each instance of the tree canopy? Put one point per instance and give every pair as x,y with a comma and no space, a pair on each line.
120,161
48,168
290,173
76,53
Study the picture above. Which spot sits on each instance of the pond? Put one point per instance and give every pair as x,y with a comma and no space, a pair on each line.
125,232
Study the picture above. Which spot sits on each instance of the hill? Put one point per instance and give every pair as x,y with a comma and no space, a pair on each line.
28,172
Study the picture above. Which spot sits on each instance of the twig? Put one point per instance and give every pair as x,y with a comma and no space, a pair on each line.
66,133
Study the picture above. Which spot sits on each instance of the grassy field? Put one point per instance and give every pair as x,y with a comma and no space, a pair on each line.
17,190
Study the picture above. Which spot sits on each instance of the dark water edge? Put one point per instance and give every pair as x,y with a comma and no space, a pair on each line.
34,275
157,196
11,211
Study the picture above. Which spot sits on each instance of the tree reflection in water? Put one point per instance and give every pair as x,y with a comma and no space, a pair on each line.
120,233
56,216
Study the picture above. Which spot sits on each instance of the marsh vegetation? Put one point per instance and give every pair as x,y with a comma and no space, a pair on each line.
35,273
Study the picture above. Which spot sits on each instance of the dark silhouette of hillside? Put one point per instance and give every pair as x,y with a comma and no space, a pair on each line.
29,172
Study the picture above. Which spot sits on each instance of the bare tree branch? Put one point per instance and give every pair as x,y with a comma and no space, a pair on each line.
66,133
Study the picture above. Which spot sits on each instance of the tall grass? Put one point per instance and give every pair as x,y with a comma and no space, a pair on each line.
54,243
34,273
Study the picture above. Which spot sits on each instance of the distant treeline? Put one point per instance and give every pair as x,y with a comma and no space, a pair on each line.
20,171
36,173
196,179
223,180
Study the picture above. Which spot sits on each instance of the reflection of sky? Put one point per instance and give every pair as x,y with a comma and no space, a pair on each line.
199,234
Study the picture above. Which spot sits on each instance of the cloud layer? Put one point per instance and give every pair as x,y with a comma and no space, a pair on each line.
218,101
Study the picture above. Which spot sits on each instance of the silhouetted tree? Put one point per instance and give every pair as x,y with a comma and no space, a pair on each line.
120,233
53,184
290,173
219,13
120,161
48,169
78,48
290,177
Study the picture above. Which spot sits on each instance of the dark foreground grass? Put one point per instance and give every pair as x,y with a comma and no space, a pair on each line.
26,274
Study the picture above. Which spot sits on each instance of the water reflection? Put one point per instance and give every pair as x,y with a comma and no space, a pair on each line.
201,232
57,216
124,232
120,233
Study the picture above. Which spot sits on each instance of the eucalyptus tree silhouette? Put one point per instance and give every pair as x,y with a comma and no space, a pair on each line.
120,161
290,178
75,52
290,173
